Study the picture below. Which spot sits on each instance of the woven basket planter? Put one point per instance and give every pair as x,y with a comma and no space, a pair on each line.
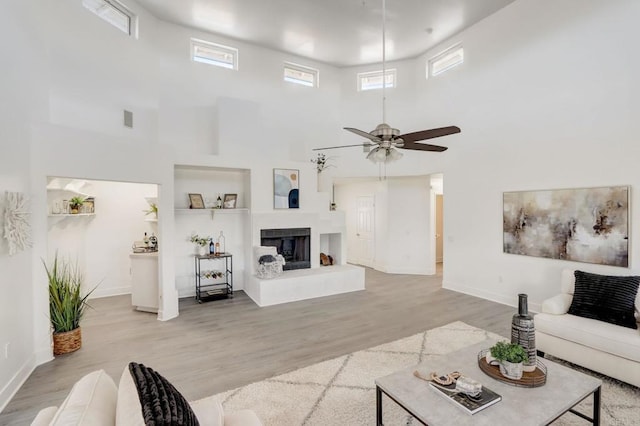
66,342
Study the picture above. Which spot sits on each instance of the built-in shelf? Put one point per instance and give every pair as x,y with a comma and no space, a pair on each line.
71,214
215,211
74,186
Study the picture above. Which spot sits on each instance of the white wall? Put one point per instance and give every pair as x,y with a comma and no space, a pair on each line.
544,102
402,222
250,112
23,100
409,226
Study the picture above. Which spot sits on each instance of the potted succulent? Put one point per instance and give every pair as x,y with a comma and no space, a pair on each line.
75,203
510,357
201,243
66,305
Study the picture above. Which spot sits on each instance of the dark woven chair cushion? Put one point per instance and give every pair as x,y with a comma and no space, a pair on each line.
605,298
161,403
267,258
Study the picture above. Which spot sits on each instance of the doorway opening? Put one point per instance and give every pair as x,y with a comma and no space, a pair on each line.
100,234
437,190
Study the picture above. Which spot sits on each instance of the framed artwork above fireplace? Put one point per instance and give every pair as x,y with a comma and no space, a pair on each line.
286,189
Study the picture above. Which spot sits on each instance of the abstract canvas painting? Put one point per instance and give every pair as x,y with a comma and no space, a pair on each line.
286,193
584,225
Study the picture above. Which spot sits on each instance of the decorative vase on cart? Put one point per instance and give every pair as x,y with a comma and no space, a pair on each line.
523,332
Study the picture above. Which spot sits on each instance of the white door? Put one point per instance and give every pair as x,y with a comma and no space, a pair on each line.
365,230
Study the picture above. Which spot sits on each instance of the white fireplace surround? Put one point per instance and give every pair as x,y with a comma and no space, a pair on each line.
327,228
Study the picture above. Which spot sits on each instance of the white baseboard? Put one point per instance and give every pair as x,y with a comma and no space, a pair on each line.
17,381
113,291
494,297
43,356
411,271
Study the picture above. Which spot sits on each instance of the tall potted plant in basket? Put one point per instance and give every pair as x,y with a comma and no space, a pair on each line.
66,305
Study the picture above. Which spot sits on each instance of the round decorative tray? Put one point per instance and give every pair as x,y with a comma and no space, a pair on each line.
534,379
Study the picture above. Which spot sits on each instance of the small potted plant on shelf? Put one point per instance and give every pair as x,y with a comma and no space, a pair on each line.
201,244
66,305
510,357
75,203
153,209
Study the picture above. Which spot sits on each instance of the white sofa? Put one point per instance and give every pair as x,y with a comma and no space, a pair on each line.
95,400
606,348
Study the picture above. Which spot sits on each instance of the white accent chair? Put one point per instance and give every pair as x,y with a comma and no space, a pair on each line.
268,270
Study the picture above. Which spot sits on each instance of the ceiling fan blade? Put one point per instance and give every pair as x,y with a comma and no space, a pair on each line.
341,146
423,147
363,134
429,134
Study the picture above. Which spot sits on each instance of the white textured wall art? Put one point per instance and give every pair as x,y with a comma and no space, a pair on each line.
17,229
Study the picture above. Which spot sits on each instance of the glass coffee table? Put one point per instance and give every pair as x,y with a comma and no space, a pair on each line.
564,389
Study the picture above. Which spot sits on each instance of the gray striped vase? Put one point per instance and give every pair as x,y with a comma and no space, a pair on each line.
523,332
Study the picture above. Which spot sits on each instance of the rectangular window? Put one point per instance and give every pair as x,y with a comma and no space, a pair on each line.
446,60
214,54
113,12
373,80
298,74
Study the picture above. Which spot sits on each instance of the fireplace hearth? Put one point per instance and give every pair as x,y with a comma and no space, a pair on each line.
294,244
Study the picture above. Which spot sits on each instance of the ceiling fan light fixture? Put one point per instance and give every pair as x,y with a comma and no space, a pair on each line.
384,155
393,155
373,155
385,132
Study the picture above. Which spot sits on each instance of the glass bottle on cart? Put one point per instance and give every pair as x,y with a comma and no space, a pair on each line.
221,243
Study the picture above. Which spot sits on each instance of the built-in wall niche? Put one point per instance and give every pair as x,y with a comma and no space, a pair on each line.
211,183
331,245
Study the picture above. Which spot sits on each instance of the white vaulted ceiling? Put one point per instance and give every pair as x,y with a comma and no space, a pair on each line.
338,32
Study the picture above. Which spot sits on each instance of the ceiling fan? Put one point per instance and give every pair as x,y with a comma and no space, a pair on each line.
384,139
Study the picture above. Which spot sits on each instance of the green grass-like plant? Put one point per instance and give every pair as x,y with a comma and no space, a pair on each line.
66,302
153,209
511,352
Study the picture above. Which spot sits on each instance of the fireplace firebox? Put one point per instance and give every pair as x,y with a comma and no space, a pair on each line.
294,244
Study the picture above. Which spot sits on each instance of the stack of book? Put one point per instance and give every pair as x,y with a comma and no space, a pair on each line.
470,404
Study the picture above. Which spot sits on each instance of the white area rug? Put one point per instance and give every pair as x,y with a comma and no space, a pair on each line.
341,391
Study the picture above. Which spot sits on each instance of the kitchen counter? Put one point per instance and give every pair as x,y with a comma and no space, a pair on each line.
144,281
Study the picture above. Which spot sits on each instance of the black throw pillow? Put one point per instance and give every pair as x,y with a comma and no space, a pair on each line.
161,403
605,298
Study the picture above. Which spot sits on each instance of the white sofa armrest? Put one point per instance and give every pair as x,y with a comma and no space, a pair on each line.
209,411
242,418
45,416
557,305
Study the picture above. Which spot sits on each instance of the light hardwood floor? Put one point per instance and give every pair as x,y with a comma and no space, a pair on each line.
224,344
